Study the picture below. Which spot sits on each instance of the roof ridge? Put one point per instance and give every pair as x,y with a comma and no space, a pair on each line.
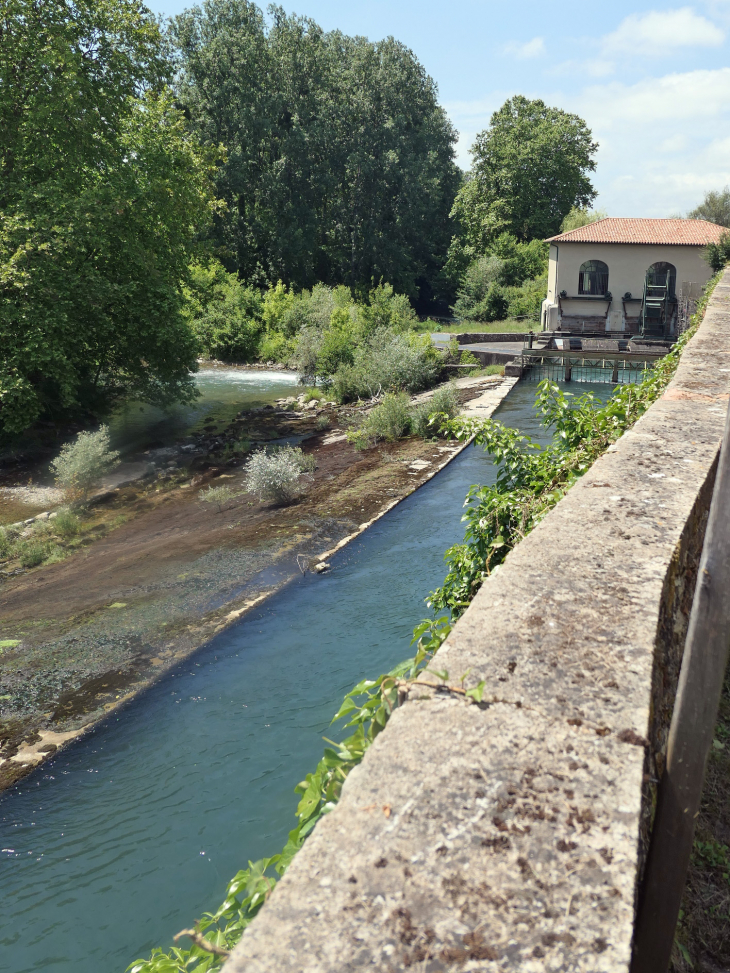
647,230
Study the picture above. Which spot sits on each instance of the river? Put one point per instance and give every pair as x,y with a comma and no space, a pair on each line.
133,831
224,392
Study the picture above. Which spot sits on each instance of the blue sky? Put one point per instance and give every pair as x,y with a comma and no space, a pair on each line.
652,82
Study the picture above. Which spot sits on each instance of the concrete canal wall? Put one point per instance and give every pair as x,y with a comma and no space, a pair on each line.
511,836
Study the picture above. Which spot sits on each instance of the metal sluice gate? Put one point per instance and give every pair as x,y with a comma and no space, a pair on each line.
577,368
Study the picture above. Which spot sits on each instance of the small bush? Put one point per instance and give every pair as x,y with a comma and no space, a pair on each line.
66,524
219,495
5,544
445,401
468,359
390,420
275,474
388,363
322,423
82,463
34,553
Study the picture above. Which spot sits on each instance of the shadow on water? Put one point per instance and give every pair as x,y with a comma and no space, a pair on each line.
134,831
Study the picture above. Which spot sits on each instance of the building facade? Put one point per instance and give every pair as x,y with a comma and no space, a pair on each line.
626,275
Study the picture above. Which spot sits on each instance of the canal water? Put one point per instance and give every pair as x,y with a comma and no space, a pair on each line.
134,831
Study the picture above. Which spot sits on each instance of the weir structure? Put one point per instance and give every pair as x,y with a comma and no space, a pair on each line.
512,835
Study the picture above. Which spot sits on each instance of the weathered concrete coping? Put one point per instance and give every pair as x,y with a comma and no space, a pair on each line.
509,836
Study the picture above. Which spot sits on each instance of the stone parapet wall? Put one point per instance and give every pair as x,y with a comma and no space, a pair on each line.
510,835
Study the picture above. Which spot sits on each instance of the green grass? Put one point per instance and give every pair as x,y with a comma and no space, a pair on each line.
463,327
488,370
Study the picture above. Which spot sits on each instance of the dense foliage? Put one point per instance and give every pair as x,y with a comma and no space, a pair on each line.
510,281
340,165
581,216
358,347
718,254
715,207
102,191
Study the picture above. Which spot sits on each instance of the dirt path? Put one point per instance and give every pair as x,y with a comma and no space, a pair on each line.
101,625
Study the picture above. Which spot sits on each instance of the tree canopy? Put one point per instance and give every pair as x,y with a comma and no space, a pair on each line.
340,162
102,192
715,207
578,217
530,169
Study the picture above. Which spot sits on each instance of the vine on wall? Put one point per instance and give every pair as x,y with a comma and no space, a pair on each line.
530,481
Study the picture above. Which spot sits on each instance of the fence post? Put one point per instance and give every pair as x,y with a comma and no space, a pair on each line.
690,736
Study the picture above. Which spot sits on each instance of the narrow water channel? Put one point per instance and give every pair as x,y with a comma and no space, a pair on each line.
134,831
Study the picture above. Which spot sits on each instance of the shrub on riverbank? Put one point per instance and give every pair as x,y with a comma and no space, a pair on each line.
387,363
83,462
445,402
275,474
395,418
369,342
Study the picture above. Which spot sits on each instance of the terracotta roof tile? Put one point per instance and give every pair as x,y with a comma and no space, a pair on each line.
615,229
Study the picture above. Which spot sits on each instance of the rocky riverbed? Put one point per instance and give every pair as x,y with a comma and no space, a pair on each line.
159,572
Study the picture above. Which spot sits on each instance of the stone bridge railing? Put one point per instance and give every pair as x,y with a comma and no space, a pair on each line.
512,836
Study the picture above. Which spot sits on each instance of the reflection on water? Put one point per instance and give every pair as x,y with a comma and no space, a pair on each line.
224,392
130,834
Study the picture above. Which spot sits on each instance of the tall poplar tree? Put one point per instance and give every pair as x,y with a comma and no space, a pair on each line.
340,160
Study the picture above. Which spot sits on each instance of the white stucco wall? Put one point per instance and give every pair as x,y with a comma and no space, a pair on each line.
627,266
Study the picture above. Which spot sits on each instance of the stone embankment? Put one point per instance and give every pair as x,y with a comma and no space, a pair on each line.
511,835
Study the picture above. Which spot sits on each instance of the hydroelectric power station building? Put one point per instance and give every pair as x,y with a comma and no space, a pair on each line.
626,275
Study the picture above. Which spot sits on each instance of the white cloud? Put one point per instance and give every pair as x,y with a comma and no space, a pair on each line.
663,141
662,32
674,99
675,143
533,48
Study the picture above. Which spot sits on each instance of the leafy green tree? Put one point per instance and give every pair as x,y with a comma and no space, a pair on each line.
718,254
578,217
102,193
715,207
340,162
530,168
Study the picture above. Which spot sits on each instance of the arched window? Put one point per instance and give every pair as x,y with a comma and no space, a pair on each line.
661,275
593,278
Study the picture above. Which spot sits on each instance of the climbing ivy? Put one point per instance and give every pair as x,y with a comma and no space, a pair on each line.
530,481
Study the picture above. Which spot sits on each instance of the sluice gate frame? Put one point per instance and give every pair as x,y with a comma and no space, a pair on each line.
612,369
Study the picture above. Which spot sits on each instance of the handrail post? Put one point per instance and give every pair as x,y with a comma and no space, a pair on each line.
690,736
